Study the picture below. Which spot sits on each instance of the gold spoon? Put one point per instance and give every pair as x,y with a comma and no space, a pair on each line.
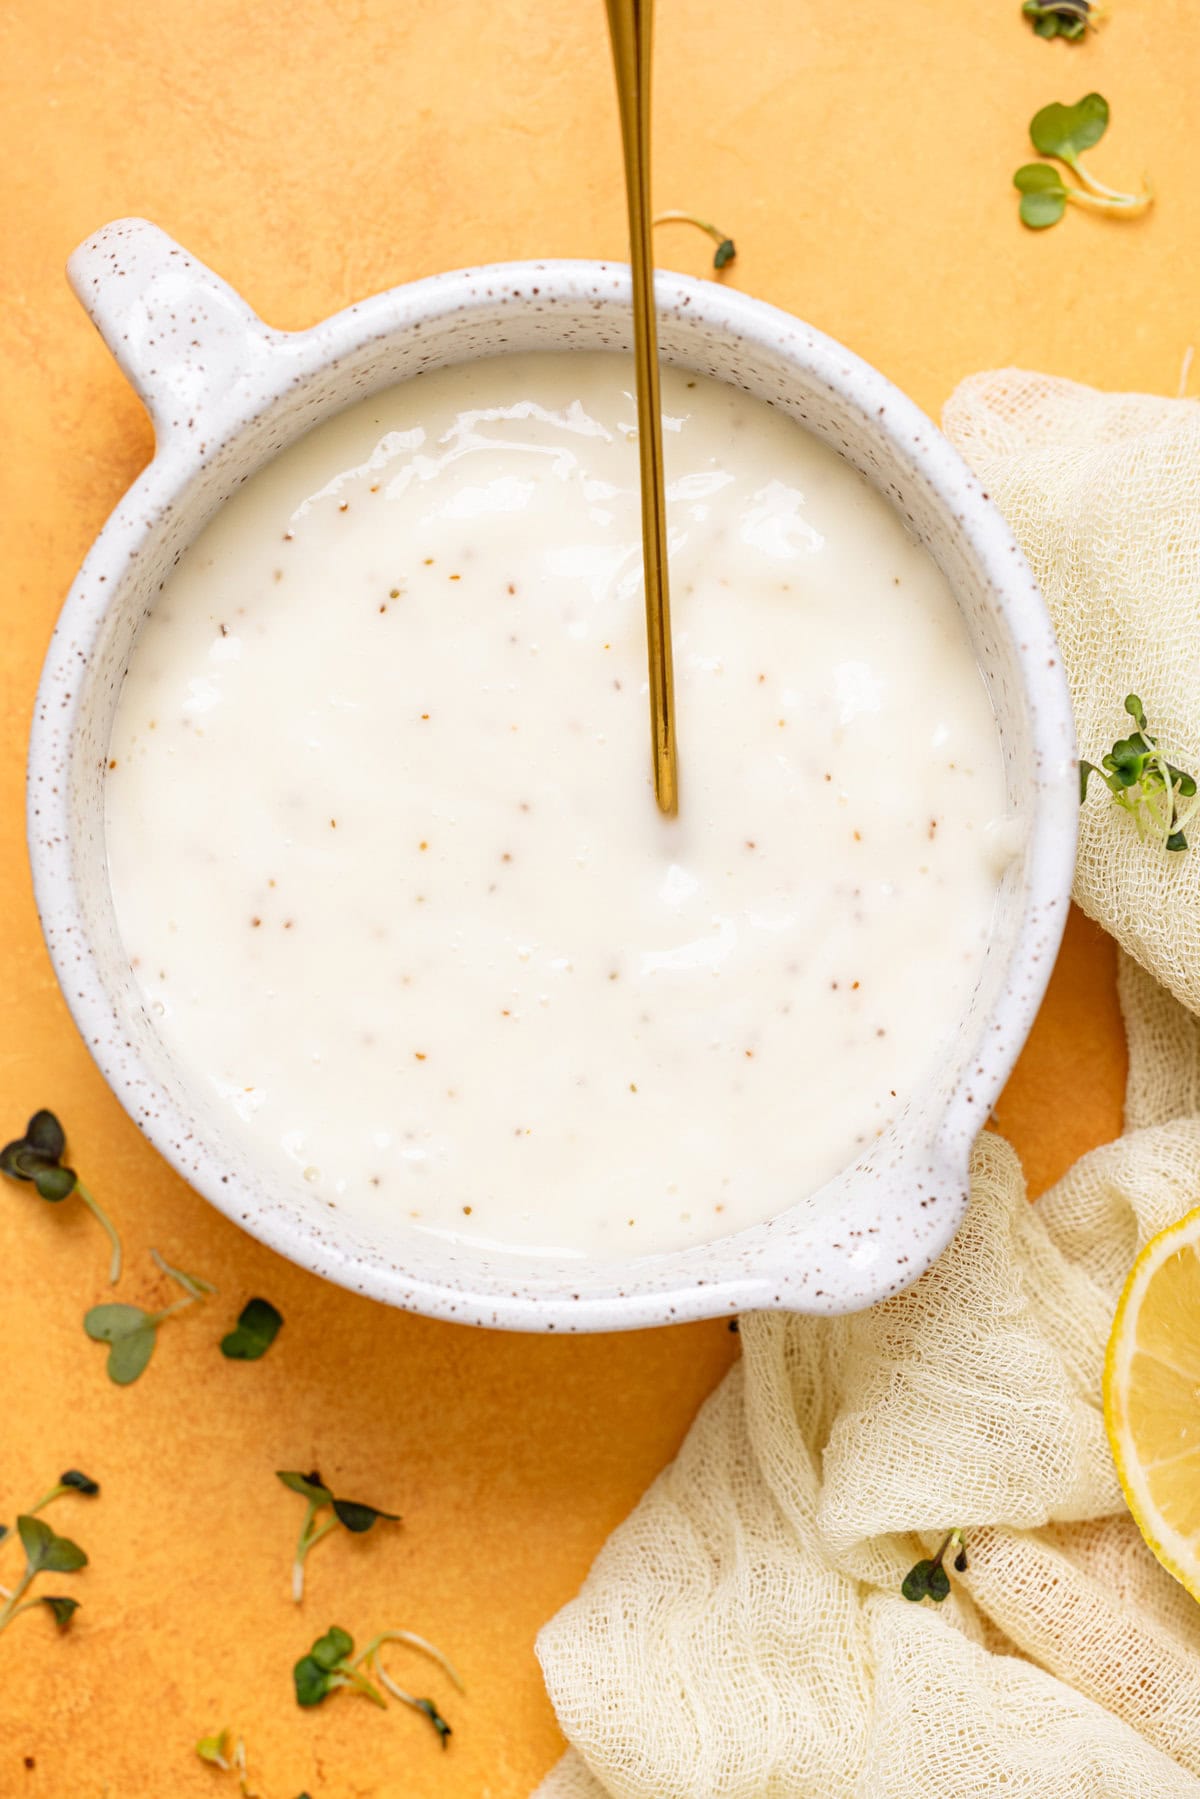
630,25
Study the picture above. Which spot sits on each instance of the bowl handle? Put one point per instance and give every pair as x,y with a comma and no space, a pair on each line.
189,345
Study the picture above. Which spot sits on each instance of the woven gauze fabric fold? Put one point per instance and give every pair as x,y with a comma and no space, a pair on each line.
742,1635
1103,493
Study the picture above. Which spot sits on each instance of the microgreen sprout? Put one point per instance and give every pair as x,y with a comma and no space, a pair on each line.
1064,133
1143,782
37,1157
61,1610
215,1750
352,1514
222,1750
928,1579
45,1553
331,1663
131,1332
257,1327
726,248
1067,19
72,1480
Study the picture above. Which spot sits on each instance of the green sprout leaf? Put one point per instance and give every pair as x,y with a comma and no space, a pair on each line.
310,1486
78,1482
436,1719
257,1327
358,1517
313,1683
130,1333
52,1181
1043,195
1067,131
45,1134
63,1610
328,1666
214,1749
726,251
45,1551
37,1157
915,1585
332,1648
928,1579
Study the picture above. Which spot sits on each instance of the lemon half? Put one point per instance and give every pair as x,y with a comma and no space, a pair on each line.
1152,1397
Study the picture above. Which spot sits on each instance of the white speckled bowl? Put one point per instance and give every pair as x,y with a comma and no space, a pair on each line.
225,393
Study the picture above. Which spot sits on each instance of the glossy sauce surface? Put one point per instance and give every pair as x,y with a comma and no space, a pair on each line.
383,842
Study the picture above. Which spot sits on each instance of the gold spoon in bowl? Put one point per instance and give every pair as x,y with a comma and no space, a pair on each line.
630,24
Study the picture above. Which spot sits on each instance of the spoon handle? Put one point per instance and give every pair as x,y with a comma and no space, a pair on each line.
630,24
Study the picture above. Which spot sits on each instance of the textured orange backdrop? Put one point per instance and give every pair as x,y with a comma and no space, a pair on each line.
861,155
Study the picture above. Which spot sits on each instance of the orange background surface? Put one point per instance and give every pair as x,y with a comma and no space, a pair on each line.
861,156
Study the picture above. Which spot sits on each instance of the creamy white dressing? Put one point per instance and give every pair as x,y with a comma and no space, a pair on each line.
384,850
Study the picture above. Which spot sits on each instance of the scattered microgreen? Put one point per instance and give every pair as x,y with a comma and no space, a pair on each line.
62,1610
45,1553
72,1480
222,1750
928,1579
1064,133
1044,195
257,1327
131,1332
331,1663
1067,19
726,248
435,1717
1067,131
1143,782
214,1749
351,1514
37,1157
